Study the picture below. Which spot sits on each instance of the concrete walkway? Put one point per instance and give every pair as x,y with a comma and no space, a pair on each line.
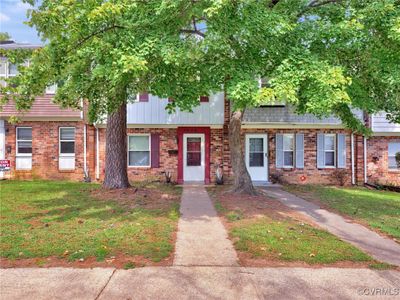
198,283
381,248
202,239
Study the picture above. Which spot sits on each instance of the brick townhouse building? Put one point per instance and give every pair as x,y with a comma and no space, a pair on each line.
55,143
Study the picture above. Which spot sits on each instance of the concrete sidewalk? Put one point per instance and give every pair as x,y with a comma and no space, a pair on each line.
198,283
381,248
202,239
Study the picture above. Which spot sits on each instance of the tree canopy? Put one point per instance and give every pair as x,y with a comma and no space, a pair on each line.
322,56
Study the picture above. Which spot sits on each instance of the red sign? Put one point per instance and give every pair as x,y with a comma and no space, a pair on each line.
5,165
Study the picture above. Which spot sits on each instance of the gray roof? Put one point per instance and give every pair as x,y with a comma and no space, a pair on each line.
11,45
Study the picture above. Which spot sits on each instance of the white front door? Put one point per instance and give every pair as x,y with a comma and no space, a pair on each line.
257,156
193,157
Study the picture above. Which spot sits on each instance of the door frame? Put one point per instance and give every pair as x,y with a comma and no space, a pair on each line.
187,130
266,156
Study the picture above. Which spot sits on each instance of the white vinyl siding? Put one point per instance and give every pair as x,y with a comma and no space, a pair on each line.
66,148
23,148
393,148
380,124
153,112
139,150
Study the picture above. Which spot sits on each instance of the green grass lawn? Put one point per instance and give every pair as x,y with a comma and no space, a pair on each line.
263,228
378,209
64,219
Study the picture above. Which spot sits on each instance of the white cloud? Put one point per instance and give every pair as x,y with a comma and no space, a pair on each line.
4,17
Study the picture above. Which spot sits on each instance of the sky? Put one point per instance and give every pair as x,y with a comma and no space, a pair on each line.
12,17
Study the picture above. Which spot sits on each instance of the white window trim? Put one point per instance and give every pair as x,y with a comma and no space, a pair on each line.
59,142
16,142
334,151
293,151
139,134
396,168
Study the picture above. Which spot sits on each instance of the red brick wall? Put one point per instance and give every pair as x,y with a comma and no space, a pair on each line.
45,144
312,174
377,153
168,159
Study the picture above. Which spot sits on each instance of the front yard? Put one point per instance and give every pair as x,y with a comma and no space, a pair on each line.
47,223
267,233
378,209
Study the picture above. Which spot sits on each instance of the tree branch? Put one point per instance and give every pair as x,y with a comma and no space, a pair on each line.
316,3
85,39
192,31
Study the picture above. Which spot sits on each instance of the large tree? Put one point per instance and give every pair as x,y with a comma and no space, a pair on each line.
322,57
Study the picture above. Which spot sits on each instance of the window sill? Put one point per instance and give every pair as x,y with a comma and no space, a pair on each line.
23,155
393,170
139,167
66,170
66,155
23,170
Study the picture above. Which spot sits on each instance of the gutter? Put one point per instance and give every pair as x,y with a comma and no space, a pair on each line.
365,161
97,154
353,180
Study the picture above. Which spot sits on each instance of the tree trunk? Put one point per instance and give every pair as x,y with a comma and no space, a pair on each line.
242,180
116,175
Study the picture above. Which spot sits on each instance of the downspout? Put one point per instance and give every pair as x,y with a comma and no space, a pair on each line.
97,155
353,181
84,152
365,160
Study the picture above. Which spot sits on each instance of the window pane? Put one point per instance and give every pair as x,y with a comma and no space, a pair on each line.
139,158
256,144
193,159
394,148
12,69
67,147
24,133
194,144
2,67
288,158
392,162
24,147
67,133
139,143
330,159
288,141
329,142
256,159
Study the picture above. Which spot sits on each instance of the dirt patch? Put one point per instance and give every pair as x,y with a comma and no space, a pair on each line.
247,260
139,197
255,206
119,261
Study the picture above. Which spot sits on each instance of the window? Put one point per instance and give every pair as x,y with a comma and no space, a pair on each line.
51,89
256,152
12,70
193,152
67,141
329,150
288,150
24,141
393,149
3,71
139,151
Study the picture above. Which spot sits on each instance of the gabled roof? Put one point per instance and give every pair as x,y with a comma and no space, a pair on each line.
11,45
42,108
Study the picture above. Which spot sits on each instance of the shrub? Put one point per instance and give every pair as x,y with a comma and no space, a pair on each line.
340,176
397,158
276,177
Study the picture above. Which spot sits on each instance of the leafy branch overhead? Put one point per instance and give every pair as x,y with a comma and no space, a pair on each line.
322,56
